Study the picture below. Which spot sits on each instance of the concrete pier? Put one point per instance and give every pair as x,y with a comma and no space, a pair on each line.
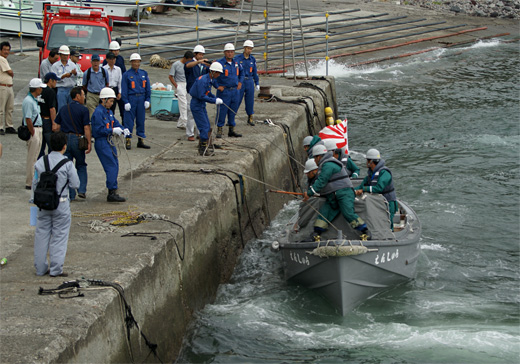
220,201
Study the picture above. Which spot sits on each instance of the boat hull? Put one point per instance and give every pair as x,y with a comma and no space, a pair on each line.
347,281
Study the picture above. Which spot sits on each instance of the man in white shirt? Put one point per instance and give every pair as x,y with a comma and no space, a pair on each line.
114,77
75,56
178,80
65,69
6,91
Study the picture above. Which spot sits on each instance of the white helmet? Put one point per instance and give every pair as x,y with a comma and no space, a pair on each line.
199,49
107,93
330,144
216,66
64,50
249,43
135,57
114,46
310,165
307,140
319,150
229,47
373,154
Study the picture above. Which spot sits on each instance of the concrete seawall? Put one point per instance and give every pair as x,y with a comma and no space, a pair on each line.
165,282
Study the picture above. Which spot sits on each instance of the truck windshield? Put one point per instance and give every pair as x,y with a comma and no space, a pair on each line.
76,36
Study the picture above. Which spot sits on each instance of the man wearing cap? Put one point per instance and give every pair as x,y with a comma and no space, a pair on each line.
115,48
379,180
46,65
201,94
73,119
115,76
178,79
94,80
251,81
65,69
75,56
333,183
6,91
193,69
229,85
33,120
48,109
136,93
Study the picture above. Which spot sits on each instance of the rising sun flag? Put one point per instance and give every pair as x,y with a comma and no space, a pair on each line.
338,133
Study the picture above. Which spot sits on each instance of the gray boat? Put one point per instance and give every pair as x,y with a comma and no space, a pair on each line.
342,267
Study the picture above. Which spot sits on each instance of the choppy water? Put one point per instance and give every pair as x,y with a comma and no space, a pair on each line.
448,126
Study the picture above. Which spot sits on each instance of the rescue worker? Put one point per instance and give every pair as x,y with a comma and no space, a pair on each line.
135,93
104,128
65,69
201,94
229,85
251,81
53,226
339,154
316,140
333,183
193,69
311,171
379,180
306,142
115,48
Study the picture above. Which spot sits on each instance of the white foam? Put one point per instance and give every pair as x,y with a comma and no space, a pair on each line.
436,247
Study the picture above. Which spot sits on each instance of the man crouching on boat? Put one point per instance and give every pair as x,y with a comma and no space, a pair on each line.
379,180
334,184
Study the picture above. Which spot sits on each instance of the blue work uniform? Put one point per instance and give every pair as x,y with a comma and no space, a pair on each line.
193,73
247,91
75,129
200,94
53,226
135,90
231,76
103,122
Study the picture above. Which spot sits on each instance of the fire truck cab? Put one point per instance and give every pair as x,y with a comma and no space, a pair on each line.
84,29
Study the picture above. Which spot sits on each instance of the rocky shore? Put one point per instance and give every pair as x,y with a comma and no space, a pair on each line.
482,8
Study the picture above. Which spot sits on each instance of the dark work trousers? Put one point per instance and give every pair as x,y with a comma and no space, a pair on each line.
47,132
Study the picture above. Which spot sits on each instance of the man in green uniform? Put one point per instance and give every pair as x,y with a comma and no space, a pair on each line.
379,180
339,154
333,183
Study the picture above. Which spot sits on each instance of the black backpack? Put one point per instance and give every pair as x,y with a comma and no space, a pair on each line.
45,195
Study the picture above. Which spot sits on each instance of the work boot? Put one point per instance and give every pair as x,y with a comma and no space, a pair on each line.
250,120
202,147
315,236
114,197
140,144
128,143
232,132
219,132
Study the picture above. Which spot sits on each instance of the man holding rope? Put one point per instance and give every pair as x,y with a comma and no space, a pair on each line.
104,128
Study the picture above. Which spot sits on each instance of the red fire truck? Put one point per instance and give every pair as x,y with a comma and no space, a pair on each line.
84,29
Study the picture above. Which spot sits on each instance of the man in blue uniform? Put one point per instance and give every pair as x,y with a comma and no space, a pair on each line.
193,69
135,93
200,94
104,128
251,82
379,180
333,183
53,226
229,85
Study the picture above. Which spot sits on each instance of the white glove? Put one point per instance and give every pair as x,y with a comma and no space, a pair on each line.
128,107
146,104
126,132
257,87
117,130
218,101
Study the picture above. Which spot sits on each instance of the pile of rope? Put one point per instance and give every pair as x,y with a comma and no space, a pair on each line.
158,61
112,221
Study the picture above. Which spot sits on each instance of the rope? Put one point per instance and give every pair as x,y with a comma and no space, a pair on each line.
166,115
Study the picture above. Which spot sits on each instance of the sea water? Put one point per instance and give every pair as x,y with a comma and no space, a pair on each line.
447,124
